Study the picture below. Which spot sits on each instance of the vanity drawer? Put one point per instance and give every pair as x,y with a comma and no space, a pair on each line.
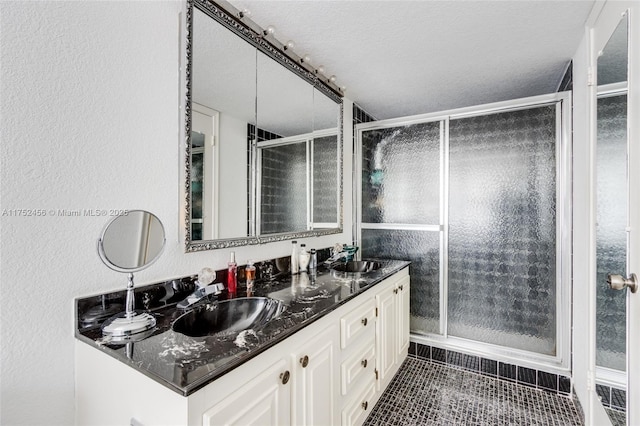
357,322
357,410
358,368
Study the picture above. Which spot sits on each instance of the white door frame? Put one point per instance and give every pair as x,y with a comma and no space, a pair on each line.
603,22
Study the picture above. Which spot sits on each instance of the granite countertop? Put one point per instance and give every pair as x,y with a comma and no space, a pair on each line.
186,364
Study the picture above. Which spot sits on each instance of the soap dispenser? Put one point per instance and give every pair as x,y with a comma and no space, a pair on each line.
303,258
250,275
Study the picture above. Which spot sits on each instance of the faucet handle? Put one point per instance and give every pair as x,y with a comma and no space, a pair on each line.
205,277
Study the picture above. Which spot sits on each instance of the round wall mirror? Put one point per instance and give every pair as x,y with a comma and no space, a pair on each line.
130,243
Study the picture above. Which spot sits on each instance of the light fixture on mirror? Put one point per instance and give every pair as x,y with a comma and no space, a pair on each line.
269,31
244,15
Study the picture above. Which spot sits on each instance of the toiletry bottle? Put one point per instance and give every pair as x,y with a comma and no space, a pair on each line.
294,257
313,260
250,274
303,258
232,274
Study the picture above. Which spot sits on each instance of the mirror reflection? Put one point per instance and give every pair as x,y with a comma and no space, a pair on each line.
612,207
264,161
131,242
284,100
223,108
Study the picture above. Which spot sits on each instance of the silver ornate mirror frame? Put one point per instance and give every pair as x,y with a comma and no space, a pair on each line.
250,32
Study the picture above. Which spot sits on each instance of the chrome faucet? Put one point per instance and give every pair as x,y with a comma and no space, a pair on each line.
341,252
204,289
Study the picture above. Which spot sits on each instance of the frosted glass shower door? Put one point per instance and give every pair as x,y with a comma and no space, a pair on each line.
400,210
502,229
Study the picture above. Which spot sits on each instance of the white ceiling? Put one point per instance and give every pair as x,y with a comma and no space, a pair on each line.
400,58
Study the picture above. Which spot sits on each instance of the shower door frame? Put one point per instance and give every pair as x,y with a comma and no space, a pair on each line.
560,363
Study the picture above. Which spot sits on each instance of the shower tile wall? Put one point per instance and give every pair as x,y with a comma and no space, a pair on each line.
254,135
283,189
361,116
549,382
612,397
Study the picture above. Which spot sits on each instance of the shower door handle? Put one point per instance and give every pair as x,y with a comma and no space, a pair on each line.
618,282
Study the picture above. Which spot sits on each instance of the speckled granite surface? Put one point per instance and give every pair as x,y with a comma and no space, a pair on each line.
185,364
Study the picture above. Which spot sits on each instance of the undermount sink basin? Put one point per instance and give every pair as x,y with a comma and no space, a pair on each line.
228,316
361,266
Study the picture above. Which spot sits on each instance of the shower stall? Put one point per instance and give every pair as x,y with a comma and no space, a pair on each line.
479,200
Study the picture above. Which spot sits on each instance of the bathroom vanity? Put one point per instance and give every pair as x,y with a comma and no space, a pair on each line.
324,360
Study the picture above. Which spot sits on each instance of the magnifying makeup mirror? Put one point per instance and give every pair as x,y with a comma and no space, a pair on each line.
130,243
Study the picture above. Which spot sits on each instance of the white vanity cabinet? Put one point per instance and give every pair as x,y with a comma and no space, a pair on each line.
392,327
357,369
325,374
316,380
262,401
375,342
300,389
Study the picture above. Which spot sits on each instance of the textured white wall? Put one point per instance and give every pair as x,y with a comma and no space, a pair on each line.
89,120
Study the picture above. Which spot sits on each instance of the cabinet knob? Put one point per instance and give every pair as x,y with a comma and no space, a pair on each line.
285,377
401,287
364,363
395,290
365,405
304,361
364,321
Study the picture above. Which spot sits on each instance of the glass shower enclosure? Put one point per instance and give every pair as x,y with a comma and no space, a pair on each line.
478,200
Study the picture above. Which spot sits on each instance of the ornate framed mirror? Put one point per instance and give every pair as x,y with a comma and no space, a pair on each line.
263,137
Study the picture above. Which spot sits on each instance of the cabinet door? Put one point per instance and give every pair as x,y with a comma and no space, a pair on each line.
316,384
264,401
402,318
386,329
358,408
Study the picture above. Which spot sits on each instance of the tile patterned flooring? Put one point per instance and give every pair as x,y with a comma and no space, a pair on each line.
427,393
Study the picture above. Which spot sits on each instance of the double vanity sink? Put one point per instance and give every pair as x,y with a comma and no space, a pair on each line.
188,350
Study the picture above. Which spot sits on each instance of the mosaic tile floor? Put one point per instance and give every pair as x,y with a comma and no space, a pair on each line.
426,393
